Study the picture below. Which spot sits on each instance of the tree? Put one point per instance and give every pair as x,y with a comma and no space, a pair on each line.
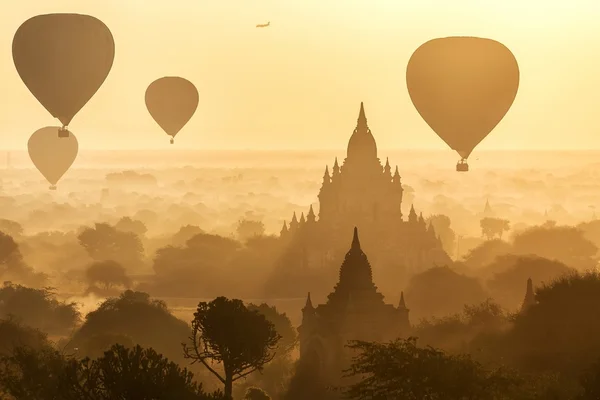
38,308
226,332
559,333
254,393
14,334
142,374
120,373
563,243
11,228
144,321
9,249
185,233
510,273
401,370
275,376
247,229
441,291
441,225
127,224
494,227
485,253
104,242
108,273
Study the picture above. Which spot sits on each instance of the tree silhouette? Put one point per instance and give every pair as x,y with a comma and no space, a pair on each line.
104,242
145,321
401,370
247,229
254,393
494,227
563,243
559,333
225,331
119,374
109,273
38,308
127,224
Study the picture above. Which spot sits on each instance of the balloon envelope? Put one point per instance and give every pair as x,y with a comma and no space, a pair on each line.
462,87
172,101
63,59
52,155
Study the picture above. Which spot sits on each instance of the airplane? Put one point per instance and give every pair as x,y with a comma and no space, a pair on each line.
263,25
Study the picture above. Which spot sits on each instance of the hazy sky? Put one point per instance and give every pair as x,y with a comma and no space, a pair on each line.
299,83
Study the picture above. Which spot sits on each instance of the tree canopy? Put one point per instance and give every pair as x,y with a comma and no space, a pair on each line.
226,332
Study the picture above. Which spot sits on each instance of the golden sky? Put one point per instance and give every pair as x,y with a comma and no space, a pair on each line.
298,84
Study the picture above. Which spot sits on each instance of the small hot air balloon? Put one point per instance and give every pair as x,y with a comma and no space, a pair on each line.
63,59
172,101
462,87
52,155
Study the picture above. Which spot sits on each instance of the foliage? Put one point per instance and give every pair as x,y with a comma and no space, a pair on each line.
486,253
494,227
120,374
560,332
562,243
109,273
442,291
225,331
127,224
14,334
275,376
247,229
401,370
105,242
38,308
510,274
254,393
11,228
145,321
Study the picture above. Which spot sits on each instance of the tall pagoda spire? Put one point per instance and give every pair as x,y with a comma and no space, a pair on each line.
356,278
402,304
335,170
396,178
529,296
361,123
310,217
284,229
412,215
294,222
387,170
362,144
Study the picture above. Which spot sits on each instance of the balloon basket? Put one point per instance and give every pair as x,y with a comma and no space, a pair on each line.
53,187
462,166
63,133
172,141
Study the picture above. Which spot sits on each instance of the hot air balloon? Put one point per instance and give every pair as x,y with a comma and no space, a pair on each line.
52,155
462,87
63,59
172,101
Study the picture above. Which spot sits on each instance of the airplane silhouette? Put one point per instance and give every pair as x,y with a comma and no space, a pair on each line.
263,25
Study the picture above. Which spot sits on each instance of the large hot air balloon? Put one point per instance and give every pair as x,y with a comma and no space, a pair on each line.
63,59
172,101
52,155
462,87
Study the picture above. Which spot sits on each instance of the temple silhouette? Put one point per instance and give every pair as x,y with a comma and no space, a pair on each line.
355,310
362,193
